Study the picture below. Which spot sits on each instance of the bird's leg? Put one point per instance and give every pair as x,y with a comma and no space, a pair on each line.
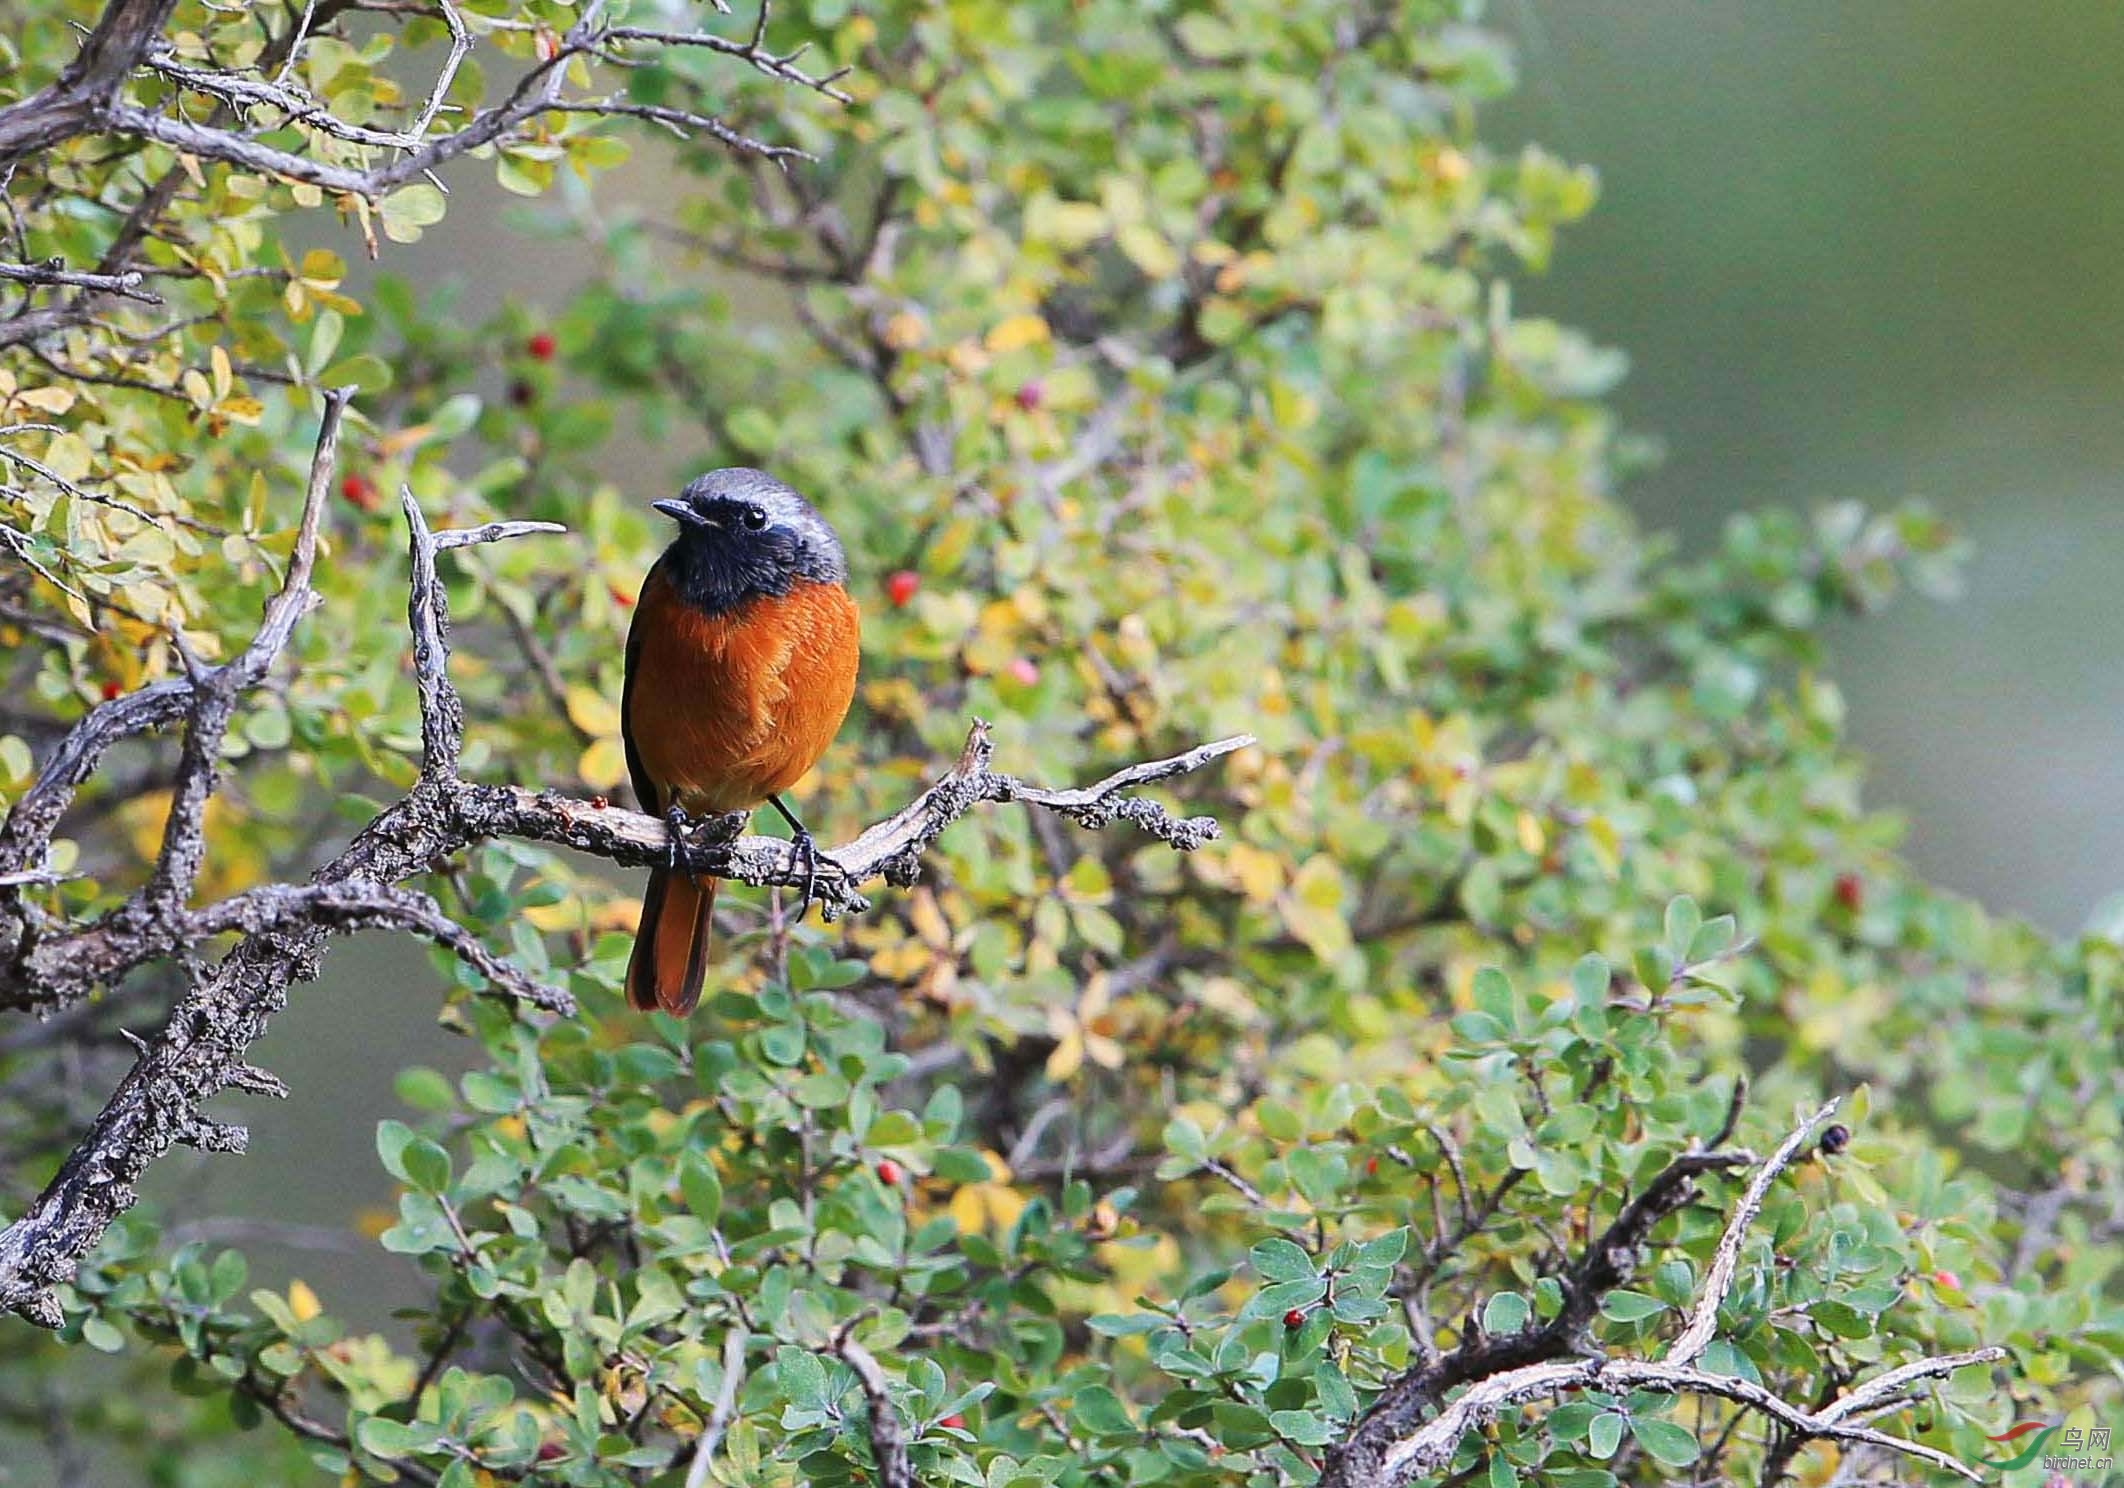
678,824
807,853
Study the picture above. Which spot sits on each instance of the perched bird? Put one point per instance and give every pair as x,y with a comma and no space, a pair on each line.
741,663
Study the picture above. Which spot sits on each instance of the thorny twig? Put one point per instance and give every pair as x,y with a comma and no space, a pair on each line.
1413,1429
284,927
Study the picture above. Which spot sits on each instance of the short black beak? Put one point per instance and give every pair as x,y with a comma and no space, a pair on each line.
672,506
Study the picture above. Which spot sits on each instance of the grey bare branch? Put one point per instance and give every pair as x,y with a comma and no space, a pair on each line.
1414,1428
203,1048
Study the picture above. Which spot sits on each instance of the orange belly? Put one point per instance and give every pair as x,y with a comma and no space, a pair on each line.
727,710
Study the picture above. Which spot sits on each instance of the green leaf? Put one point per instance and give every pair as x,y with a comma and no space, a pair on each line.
896,1129
392,1139
1101,1412
1682,921
1279,1260
1307,1428
427,1166
1590,978
424,1089
1664,1441
752,429
1507,1312
409,209
702,1190
1626,1306
802,1376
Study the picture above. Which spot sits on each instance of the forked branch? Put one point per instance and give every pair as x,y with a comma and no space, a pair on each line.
283,928
1413,1429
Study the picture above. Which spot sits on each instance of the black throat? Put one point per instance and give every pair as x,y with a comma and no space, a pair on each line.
716,571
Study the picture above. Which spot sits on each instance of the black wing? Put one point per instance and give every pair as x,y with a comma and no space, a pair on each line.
645,795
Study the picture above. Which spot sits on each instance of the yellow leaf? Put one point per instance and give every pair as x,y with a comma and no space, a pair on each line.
1260,873
68,456
1016,331
1147,250
603,765
15,760
143,817
1097,996
928,920
1312,910
1067,1057
1065,224
302,1301
898,963
323,268
592,712
1532,839
905,331
48,399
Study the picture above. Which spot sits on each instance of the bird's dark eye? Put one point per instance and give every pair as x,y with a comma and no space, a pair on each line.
754,518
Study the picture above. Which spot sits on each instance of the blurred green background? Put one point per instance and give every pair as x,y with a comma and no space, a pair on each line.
1853,250
1875,250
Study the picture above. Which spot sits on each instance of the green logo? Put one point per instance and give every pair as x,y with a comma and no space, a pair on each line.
2027,1454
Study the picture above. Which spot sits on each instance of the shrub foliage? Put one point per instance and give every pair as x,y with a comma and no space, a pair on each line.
1159,365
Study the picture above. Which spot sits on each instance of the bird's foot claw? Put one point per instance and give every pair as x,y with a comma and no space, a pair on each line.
678,824
700,833
807,852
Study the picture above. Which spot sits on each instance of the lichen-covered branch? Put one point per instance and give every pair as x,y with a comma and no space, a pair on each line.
203,1047
1413,1428
888,1444
132,83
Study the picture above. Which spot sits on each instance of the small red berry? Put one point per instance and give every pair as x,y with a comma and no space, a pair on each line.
901,587
1025,670
111,691
890,1173
551,1451
955,1421
1851,892
1295,1318
541,346
1371,1167
1029,395
359,490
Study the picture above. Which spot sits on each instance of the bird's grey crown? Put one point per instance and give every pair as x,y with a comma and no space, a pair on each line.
819,556
744,535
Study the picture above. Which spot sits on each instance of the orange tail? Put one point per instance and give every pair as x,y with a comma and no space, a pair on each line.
671,947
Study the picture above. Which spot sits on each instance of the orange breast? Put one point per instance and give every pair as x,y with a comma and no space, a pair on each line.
727,710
